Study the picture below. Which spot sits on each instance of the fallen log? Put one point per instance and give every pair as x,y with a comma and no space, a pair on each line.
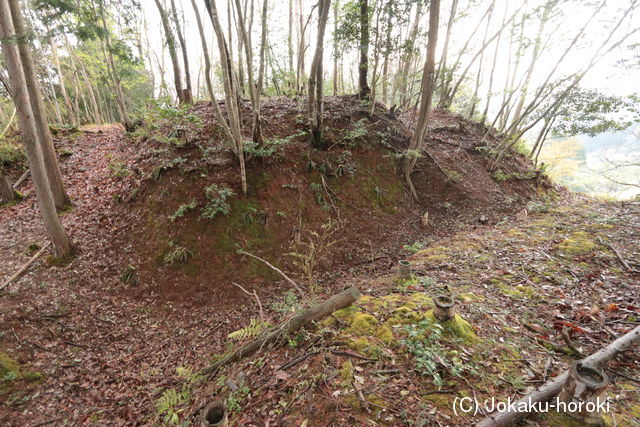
341,300
25,266
550,389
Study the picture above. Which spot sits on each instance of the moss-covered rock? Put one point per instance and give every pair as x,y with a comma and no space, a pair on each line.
404,315
363,324
385,334
456,326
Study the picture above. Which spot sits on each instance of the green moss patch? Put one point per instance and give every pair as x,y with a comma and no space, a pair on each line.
578,243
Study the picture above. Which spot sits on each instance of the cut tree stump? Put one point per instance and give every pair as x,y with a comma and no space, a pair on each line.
320,311
547,391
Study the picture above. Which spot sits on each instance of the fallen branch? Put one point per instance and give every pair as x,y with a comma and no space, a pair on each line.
318,312
277,270
21,179
567,341
547,391
24,267
253,294
622,260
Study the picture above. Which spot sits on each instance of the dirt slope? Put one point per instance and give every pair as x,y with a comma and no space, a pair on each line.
308,212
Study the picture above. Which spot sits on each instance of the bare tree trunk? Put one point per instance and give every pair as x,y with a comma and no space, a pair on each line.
115,76
207,77
188,91
417,142
474,99
6,190
363,67
442,66
28,125
65,96
315,79
290,47
231,98
49,156
407,58
171,45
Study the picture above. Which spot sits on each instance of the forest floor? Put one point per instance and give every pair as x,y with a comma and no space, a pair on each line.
89,349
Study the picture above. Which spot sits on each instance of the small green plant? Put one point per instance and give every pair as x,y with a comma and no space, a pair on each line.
357,131
431,358
217,201
499,175
290,304
236,398
538,207
129,275
417,246
179,255
453,175
172,164
11,154
273,147
168,405
119,169
183,209
253,329
281,214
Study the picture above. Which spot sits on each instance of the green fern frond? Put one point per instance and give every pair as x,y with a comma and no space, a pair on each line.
254,329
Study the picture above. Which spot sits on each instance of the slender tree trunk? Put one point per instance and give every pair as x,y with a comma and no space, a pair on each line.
49,156
65,96
493,68
407,57
28,125
231,98
290,46
115,76
416,144
442,65
207,77
335,50
171,45
188,91
315,79
474,100
363,67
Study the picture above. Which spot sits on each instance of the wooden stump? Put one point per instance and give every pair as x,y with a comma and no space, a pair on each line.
443,308
583,393
6,190
404,269
215,415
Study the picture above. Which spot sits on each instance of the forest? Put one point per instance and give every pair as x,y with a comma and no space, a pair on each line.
319,212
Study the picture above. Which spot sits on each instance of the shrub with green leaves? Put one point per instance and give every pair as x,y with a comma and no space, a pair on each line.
431,358
273,147
183,209
179,255
216,201
11,154
161,116
119,169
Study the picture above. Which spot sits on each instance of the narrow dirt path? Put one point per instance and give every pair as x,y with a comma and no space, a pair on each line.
102,354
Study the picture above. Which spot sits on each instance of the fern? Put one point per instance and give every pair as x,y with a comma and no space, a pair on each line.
254,329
